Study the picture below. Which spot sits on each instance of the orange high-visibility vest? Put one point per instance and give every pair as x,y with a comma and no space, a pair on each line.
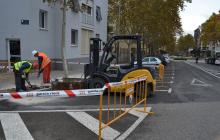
46,60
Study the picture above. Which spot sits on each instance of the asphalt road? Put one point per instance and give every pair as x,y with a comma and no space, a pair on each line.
186,108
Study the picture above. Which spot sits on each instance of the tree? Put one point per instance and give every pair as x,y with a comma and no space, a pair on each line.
74,5
211,30
158,21
186,42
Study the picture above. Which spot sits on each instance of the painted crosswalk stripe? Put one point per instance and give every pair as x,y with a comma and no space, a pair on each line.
14,127
141,117
93,124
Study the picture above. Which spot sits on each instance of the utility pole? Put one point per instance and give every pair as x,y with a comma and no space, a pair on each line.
63,40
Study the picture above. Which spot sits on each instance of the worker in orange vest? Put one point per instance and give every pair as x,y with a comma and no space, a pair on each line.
44,63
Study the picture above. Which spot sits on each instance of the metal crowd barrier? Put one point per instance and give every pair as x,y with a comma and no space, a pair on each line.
119,93
161,71
160,78
4,67
122,97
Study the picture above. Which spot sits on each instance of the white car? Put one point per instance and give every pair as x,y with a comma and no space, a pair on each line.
150,61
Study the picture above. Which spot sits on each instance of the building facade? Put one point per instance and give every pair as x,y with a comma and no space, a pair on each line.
28,25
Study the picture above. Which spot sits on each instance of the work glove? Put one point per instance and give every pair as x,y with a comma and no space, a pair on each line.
23,76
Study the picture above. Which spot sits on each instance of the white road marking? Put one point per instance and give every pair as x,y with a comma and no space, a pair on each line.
160,82
161,90
164,90
93,124
141,117
56,110
172,74
204,70
170,90
196,82
14,127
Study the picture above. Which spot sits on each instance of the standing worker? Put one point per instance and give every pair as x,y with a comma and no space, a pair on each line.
21,70
44,64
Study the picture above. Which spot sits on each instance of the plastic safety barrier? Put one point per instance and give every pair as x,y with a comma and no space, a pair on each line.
122,97
58,93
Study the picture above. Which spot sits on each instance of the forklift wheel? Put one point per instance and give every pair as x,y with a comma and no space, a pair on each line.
97,83
150,91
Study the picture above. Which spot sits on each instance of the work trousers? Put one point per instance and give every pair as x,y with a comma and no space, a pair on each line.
46,73
19,81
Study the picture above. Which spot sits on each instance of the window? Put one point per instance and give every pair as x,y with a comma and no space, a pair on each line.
43,19
153,59
89,10
74,5
146,60
74,37
98,13
86,9
97,35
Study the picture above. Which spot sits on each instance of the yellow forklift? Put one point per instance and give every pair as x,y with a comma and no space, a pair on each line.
101,69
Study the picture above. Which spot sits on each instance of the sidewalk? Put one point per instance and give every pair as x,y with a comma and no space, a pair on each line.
194,61
7,79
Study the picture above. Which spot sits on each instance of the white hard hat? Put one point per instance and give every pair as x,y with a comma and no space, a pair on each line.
34,52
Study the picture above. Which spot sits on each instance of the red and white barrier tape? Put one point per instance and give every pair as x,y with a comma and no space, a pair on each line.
129,81
69,93
58,93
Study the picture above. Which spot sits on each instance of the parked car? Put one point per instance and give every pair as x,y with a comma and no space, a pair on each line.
150,61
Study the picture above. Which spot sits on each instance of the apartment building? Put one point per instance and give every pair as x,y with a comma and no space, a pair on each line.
33,24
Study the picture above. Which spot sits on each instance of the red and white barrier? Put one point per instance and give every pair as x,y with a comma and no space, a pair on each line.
129,81
58,93
70,93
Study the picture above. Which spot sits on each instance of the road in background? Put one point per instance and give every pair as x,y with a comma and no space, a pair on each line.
190,111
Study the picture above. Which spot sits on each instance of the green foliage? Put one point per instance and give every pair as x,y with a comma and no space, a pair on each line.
211,30
185,42
157,20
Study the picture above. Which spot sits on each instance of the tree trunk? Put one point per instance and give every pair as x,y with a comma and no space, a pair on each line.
63,43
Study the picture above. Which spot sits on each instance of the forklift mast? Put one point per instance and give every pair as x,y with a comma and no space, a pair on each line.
95,46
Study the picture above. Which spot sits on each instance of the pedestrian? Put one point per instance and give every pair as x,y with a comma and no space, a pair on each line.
21,70
197,58
44,65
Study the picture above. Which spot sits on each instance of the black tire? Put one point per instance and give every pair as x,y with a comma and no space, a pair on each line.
150,93
97,82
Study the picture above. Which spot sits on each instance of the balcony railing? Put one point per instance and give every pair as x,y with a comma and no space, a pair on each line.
87,19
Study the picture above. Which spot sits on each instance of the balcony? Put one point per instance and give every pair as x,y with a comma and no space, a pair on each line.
87,19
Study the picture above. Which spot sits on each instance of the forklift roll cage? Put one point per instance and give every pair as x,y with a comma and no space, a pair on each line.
97,71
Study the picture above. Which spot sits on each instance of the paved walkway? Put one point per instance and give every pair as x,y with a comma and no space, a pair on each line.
7,78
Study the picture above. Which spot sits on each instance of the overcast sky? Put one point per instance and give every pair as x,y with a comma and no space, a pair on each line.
197,12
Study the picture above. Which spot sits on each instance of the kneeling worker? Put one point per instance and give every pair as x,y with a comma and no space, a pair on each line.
21,70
